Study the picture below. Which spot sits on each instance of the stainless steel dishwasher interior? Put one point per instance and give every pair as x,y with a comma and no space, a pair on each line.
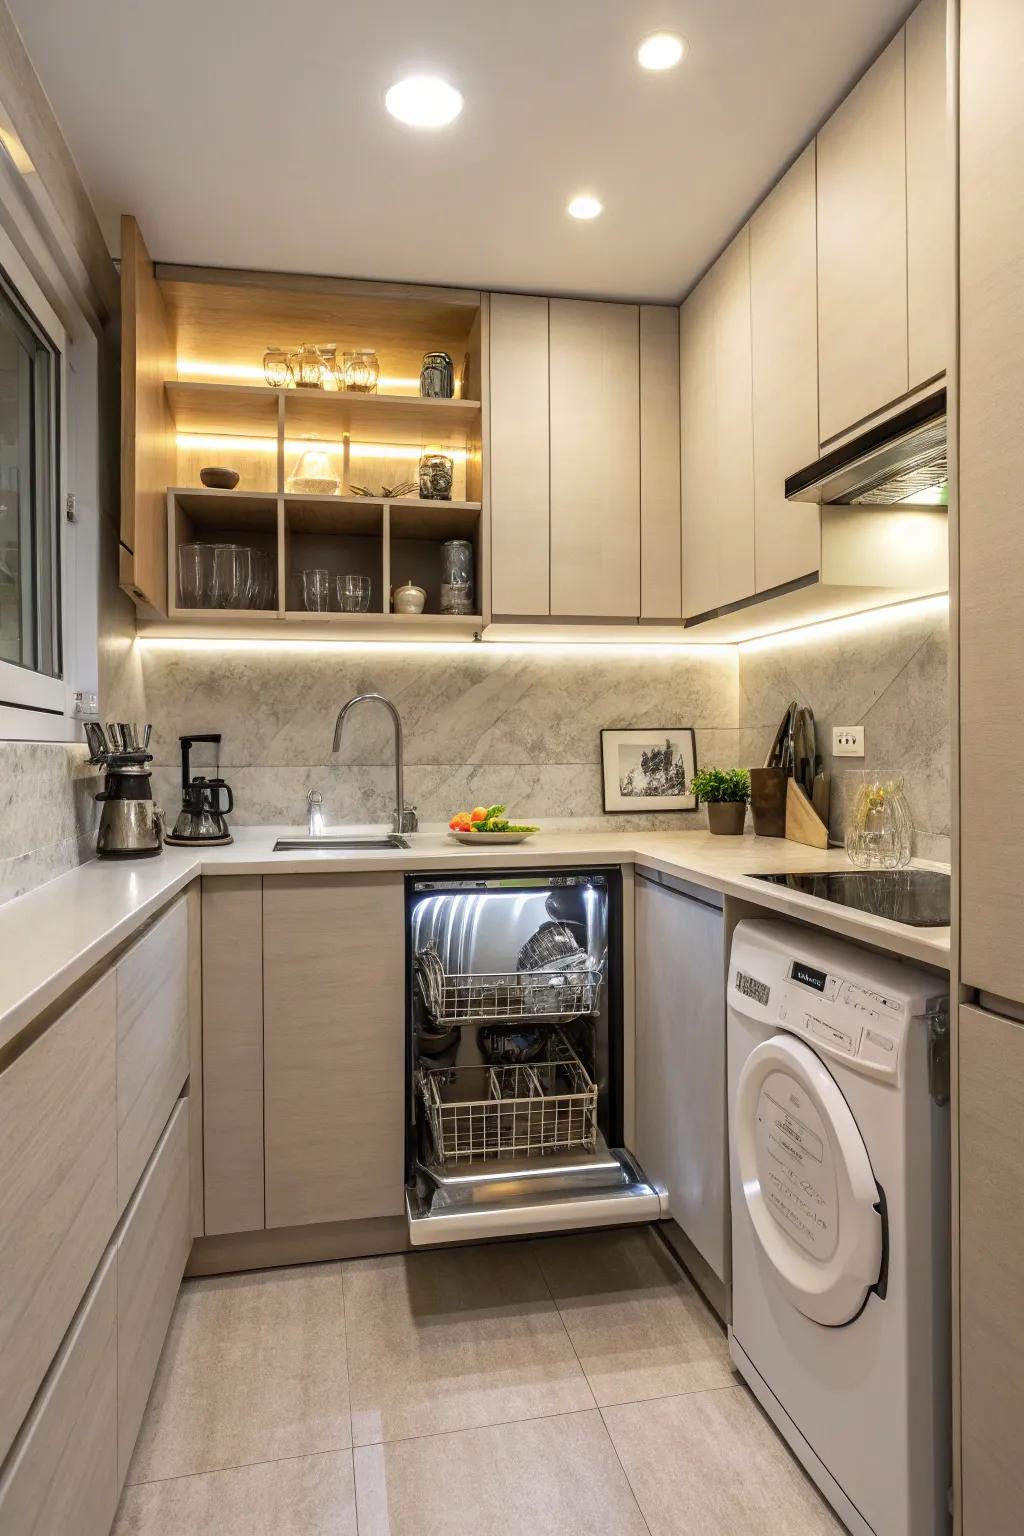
338,844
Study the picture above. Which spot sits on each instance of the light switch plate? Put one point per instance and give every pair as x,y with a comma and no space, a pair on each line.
847,741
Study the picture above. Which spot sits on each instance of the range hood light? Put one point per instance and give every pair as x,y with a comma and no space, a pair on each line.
898,462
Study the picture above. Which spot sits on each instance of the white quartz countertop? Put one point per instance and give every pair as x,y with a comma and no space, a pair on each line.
53,936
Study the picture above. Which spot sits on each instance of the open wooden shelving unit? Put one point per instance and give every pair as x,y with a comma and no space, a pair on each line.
187,332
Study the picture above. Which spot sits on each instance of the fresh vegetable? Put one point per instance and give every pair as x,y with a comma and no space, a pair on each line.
486,818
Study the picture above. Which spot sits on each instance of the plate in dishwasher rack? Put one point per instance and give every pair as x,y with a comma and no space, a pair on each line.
491,837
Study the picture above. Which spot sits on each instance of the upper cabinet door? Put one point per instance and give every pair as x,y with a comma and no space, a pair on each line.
660,577
784,349
520,507
929,195
862,248
595,459
147,429
991,531
716,435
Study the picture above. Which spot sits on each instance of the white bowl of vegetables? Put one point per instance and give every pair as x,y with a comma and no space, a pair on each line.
487,824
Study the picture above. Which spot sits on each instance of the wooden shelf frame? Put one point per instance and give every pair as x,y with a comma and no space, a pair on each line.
403,526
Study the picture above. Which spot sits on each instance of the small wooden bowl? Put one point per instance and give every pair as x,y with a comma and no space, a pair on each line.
218,479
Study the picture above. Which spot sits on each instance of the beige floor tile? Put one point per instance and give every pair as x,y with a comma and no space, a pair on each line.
544,1477
710,1464
253,1369
303,1496
451,1340
636,1322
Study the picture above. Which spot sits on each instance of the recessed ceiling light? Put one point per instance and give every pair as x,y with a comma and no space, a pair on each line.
585,206
424,101
661,50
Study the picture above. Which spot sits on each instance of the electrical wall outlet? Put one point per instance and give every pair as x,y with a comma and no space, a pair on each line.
847,741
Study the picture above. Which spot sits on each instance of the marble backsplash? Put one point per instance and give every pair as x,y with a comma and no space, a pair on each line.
481,725
889,675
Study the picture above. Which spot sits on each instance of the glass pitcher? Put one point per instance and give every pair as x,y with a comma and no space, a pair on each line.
879,827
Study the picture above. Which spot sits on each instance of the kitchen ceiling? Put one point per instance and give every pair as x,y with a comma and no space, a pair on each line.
252,133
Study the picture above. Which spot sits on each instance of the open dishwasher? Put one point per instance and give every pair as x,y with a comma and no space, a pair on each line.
514,1063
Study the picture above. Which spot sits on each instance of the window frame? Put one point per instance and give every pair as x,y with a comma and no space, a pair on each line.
33,705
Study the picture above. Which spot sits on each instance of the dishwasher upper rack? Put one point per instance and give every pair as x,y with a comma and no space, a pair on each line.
555,995
526,1110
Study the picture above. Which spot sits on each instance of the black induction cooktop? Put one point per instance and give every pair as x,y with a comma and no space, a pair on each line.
918,897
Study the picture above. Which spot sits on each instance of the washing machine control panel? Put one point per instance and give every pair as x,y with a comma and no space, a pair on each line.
842,1017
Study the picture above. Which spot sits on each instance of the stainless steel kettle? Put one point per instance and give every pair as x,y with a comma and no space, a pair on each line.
131,826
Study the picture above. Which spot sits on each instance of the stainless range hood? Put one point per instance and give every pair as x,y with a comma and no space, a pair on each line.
897,463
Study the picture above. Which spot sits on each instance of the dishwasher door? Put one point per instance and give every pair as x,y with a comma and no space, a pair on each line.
515,1070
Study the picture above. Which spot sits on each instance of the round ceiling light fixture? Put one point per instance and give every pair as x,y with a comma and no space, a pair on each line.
585,206
662,50
424,101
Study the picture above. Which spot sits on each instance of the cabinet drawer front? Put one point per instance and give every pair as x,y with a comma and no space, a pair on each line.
62,1475
152,1041
57,1190
151,1255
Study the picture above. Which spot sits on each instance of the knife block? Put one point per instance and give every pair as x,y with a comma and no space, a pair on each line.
803,824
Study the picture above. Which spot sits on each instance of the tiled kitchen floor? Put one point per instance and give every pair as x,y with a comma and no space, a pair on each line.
573,1386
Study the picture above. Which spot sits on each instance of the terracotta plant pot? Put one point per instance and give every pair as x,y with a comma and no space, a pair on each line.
727,816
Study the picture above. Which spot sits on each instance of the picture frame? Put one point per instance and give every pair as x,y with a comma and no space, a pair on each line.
648,768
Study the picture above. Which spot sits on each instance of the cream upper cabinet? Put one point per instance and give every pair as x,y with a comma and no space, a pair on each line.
784,354
929,195
520,501
862,248
716,435
595,459
660,575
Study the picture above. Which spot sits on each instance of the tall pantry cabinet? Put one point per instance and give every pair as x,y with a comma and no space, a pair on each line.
990,1046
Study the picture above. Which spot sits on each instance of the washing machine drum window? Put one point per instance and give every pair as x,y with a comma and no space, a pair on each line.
807,1181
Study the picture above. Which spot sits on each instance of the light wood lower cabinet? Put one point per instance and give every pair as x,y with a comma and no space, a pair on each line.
152,1251
991,1141
680,1061
61,1479
152,1040
58,1163
233,1054
334,1029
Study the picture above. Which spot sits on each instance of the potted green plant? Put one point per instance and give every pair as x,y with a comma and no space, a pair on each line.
725,792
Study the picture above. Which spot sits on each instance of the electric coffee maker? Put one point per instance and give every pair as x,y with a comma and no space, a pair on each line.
131,826
205,802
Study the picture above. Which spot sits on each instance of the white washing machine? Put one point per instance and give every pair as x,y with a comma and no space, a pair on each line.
839,1153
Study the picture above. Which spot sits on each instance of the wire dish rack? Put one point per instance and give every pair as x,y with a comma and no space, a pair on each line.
559,993
515,1111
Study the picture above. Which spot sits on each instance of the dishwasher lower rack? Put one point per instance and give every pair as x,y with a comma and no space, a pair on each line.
554,995
524,1110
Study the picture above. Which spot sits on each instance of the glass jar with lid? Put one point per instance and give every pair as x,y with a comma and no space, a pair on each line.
437,376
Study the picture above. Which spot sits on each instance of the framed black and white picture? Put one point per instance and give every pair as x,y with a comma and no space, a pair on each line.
647,769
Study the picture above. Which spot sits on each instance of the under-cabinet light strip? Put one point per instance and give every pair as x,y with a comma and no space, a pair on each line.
196,441
252,373
822,630
863,622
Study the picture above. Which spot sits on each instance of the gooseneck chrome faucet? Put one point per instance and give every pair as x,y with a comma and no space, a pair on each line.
404,817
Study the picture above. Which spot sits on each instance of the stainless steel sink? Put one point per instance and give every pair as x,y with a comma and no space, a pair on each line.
338,844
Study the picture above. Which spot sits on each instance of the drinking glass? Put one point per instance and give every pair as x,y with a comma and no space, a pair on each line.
353,594
277,369
316,590
360,372
194,574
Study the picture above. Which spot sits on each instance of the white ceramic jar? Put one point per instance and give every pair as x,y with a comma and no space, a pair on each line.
409,599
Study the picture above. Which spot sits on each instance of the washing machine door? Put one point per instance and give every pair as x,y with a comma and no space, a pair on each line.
806,1180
